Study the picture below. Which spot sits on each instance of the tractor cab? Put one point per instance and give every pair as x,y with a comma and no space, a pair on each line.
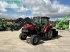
41,20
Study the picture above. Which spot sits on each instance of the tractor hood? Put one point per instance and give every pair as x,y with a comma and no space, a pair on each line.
30,26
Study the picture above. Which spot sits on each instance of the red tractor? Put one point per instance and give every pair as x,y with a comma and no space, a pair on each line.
38,29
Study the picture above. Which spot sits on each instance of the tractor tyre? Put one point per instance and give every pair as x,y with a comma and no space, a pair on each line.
49,34
34,39
23,36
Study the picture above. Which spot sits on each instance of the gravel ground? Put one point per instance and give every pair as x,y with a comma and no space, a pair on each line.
10,42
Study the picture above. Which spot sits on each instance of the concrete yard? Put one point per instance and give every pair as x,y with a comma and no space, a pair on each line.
10,42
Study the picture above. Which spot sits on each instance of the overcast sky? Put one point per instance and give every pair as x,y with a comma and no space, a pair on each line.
22,8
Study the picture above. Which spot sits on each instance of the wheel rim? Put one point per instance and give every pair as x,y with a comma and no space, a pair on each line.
24,36
35,40
50,34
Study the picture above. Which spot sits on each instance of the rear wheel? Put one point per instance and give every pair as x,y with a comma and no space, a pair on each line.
23,36
49,34
34,39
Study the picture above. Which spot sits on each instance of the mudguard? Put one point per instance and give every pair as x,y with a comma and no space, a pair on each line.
48,27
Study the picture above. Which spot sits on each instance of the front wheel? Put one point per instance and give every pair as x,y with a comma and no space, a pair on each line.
50,34
34,39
